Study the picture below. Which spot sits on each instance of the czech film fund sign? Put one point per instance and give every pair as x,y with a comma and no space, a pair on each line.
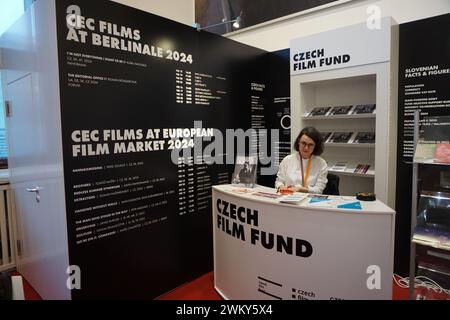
267,251
355,45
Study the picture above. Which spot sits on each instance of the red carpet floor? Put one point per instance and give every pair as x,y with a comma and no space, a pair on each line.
28,291
199,289
203,289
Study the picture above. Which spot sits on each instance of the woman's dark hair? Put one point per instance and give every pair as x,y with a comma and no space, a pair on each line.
315,135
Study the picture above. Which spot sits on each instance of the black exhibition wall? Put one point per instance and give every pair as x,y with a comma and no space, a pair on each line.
132,84
270,110
424,79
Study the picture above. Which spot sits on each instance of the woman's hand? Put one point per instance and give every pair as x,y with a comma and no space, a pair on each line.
302,189
291,189
286,189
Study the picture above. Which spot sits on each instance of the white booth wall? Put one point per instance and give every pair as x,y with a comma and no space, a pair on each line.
275,35
182,11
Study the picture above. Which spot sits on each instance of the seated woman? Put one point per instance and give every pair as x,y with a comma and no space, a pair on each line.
304,171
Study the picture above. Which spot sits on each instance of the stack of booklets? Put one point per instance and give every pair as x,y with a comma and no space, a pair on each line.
362,168
325,135
319,111
340,110
365,137
340,137
339,166
364,109
292,199
267,195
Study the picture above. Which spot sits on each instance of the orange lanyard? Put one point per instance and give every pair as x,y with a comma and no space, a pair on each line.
305,177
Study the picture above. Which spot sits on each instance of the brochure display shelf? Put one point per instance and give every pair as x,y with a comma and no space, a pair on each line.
351,173
332,117
319,103
430,214
350,145
351,98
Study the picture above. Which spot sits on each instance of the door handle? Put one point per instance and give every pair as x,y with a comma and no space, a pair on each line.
35,190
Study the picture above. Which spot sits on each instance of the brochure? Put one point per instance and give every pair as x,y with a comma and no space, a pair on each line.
340,137
245,171
318,196
362,168
326,136
267,195
321,202
292,199
241,190
364,108
339,166
365,137
340,110
319,111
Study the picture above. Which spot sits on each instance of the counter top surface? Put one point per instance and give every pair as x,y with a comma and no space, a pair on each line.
331,203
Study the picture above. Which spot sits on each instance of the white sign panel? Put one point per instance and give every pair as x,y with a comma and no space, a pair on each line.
274,252
346,47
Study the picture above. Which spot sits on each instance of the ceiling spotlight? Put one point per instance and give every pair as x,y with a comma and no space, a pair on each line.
236,24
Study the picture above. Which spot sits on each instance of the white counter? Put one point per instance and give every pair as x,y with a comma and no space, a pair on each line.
264,249
372,207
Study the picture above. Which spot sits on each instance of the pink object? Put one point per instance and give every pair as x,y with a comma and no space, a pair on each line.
442,153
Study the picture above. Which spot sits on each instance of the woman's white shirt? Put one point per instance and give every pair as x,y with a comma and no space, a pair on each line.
290,173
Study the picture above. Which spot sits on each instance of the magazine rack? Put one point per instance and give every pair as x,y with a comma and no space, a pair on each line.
430,213
353,105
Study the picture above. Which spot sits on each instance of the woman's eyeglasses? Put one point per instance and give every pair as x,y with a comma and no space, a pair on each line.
309,145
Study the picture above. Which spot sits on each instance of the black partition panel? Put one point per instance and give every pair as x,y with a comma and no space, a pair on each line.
271,113
424,78
142,99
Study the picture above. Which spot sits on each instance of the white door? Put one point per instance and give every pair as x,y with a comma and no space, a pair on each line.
43,257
